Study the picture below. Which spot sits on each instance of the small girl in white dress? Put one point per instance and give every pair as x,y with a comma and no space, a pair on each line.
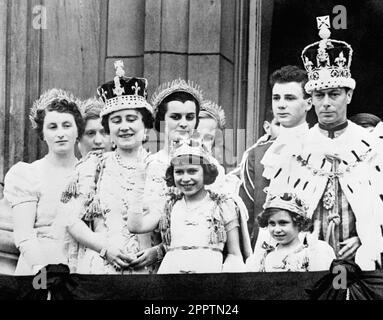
285,218
196,224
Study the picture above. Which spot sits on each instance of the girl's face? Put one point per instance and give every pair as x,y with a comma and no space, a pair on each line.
180,119
282,228
188,179
60,132
127,129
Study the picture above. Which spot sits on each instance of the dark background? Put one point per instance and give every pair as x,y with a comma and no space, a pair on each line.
294,27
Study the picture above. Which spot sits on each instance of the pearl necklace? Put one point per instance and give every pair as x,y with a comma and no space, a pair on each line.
128,166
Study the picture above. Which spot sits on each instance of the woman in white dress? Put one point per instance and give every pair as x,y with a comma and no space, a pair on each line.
176,107
34,190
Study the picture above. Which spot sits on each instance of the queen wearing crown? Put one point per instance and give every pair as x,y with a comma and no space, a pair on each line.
96,202
30,188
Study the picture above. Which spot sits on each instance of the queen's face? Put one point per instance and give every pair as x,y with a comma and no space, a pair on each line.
127,129
60,132
180,119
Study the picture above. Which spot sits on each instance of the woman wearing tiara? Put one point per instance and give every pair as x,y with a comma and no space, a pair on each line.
176,107
212,122
95,203
30,189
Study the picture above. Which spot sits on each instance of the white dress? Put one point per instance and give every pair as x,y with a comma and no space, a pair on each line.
192,249
316,256
155,194
39,183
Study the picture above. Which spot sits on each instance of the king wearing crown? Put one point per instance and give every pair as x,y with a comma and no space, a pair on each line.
335,167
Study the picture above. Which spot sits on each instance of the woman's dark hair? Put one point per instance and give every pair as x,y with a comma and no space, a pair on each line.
210,171
63,106
147,119
303,224
181,96
365,119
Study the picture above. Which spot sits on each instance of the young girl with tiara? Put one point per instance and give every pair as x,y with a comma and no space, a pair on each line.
197,224
286,220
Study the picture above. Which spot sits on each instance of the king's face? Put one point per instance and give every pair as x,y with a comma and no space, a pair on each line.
331,105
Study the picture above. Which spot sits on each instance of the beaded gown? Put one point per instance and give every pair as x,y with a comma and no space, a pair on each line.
105,184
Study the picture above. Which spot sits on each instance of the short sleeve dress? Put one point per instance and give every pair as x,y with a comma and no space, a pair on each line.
41,184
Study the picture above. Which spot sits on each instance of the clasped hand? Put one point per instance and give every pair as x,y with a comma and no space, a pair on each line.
121,260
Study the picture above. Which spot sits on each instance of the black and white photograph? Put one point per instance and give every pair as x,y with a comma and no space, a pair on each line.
203,152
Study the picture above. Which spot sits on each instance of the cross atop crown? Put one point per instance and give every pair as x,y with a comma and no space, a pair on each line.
119,66
323,22
327,61
118,89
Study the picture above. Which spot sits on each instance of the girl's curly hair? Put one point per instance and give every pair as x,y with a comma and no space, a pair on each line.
303,223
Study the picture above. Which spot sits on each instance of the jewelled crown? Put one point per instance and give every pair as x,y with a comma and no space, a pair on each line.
178,85
123,92
47,98
327,61
189,147
213,110
287,201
